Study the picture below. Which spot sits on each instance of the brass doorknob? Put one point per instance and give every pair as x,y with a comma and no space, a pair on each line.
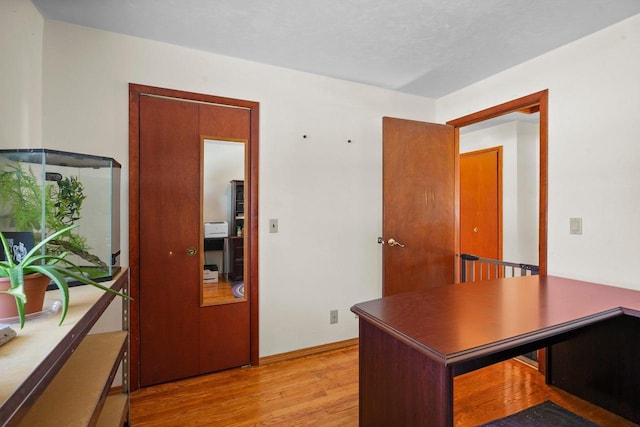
475,229
393,242
191,251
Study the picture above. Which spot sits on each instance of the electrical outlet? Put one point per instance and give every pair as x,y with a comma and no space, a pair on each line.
333,317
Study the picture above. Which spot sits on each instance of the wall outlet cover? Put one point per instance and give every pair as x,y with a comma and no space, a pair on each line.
333,317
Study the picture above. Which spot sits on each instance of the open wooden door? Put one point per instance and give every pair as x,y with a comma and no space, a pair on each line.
419,205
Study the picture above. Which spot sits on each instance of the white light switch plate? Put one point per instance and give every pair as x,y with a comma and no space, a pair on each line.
575,225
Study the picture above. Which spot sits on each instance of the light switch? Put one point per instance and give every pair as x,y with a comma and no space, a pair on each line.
273,226
575,225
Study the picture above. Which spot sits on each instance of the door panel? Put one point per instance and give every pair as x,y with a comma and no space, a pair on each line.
418,205
224,337
169,207
224,329
225,122
480,203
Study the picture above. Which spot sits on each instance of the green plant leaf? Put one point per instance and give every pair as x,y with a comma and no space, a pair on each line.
55,267
58,278
21,300
5,245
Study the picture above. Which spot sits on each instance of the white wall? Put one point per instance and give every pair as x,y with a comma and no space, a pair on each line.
21,29
528,136
594,134
325,192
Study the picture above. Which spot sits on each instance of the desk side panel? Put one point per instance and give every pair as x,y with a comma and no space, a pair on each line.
601,364
399,385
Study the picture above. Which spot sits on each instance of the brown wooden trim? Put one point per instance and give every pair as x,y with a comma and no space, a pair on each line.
499,110
530,110
456,202
134,236
500,204
544,178
253,234
308,351
529,103
135,91
192,96
223,138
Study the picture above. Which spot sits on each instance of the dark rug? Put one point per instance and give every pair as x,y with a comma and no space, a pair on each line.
545,414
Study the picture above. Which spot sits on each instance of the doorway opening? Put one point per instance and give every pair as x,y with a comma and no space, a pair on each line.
527,106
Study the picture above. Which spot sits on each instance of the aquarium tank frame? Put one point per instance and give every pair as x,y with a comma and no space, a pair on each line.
36,204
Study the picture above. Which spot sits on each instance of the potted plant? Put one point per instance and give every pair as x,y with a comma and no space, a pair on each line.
34,264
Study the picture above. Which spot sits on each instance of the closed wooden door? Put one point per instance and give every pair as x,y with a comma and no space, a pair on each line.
169,216
179,335
481,203
418,205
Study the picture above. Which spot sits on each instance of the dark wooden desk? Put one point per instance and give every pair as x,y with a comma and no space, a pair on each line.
413,344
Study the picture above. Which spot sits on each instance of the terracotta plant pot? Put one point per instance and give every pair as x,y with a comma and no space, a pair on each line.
35,285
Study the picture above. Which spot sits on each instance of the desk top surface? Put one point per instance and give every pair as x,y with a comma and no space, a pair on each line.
455,323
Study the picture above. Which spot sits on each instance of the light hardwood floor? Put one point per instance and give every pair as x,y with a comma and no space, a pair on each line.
219,292
322,390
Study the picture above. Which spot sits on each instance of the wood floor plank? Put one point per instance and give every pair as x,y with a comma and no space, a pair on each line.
219,292
322,390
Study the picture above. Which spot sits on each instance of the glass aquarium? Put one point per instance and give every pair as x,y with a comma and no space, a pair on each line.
43,191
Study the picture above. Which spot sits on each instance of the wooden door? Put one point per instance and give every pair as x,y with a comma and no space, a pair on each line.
166,132
179,337
418,205
169,295
481,203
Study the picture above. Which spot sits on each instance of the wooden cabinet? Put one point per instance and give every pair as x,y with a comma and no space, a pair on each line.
235,242
235,252
236,208
63,375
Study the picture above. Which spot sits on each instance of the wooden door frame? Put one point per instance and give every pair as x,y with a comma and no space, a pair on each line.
135,92
535,102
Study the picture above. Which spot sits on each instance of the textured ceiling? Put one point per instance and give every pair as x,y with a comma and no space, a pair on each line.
425,47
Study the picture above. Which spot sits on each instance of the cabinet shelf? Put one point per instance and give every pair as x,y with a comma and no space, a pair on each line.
114,412
82,384
54,367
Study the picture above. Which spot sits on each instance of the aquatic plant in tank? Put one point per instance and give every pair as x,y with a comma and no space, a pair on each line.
43,191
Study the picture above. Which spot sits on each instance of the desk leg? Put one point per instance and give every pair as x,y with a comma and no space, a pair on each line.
399,386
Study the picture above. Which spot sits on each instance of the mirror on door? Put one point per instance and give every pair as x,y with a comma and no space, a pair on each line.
223,177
